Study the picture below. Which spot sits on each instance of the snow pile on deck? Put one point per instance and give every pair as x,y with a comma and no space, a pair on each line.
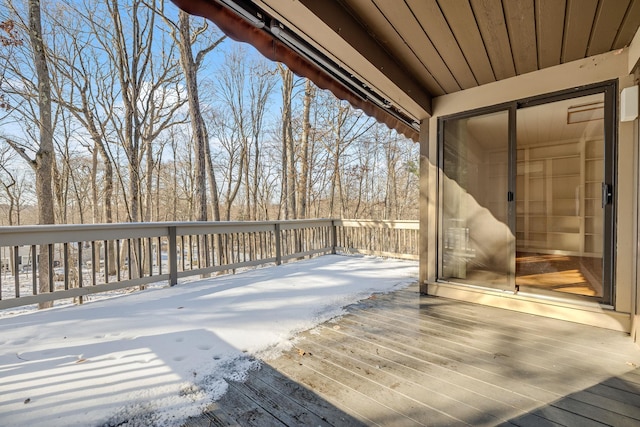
160,356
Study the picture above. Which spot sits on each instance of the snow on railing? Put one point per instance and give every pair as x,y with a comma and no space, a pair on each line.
95,258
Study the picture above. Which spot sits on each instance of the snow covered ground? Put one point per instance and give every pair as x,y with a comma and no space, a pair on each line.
156,357
26,285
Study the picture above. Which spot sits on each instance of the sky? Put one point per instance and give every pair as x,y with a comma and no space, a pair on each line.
159,356
12,125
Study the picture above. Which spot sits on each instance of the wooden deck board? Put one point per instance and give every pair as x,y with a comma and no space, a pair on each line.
279,405
628,410
428,391
538,353
403,359
428,399
434,379
530,420
616,394
346,398
493,368
481,340
447,376
244,410
297,392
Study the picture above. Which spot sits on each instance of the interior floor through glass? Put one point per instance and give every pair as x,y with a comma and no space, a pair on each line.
562,273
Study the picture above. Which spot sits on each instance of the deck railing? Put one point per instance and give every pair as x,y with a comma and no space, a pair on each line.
86,259
394,239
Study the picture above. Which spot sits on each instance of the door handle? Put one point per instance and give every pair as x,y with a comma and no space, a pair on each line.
607,194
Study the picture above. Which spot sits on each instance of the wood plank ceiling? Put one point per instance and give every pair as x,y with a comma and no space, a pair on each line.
450,45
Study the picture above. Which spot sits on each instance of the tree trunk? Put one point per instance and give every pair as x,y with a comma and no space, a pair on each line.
45,155
246,211
197,122
149,164
215,199
304,150
175,178
95,212
130,65
256,174
213,185
288,160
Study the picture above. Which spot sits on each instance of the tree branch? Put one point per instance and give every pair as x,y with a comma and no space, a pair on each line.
201,54
20,151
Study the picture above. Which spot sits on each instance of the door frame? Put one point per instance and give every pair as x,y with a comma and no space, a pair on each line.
610,91
510,108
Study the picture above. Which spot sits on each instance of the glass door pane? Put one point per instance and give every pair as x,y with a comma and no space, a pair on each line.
476,243
559,210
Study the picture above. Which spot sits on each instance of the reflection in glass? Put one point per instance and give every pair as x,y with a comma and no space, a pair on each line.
475,240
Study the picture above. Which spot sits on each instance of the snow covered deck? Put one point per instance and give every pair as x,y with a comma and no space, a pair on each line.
162,356
403,359
159,356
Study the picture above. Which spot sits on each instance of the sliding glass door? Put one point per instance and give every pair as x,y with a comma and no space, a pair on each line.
563,180
476,239
526,196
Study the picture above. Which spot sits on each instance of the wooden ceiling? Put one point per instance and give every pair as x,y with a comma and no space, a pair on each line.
450,45
410,51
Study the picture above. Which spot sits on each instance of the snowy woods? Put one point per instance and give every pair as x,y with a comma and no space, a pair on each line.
115,111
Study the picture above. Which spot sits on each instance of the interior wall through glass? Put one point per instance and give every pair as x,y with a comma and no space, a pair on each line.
476,239
559,205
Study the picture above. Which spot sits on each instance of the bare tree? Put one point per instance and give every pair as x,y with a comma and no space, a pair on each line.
16,186
185,39
261,84
129,46
232,154
86,89
303,191
346,127
121,82
238,125
43,162
288,198
148,98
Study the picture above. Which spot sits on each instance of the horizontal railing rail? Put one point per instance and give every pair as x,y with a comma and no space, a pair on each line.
80,260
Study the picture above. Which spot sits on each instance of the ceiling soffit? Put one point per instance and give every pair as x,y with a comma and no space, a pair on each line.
451,45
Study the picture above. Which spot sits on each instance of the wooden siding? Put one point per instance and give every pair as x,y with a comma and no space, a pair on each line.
393,42
404,359
493,28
